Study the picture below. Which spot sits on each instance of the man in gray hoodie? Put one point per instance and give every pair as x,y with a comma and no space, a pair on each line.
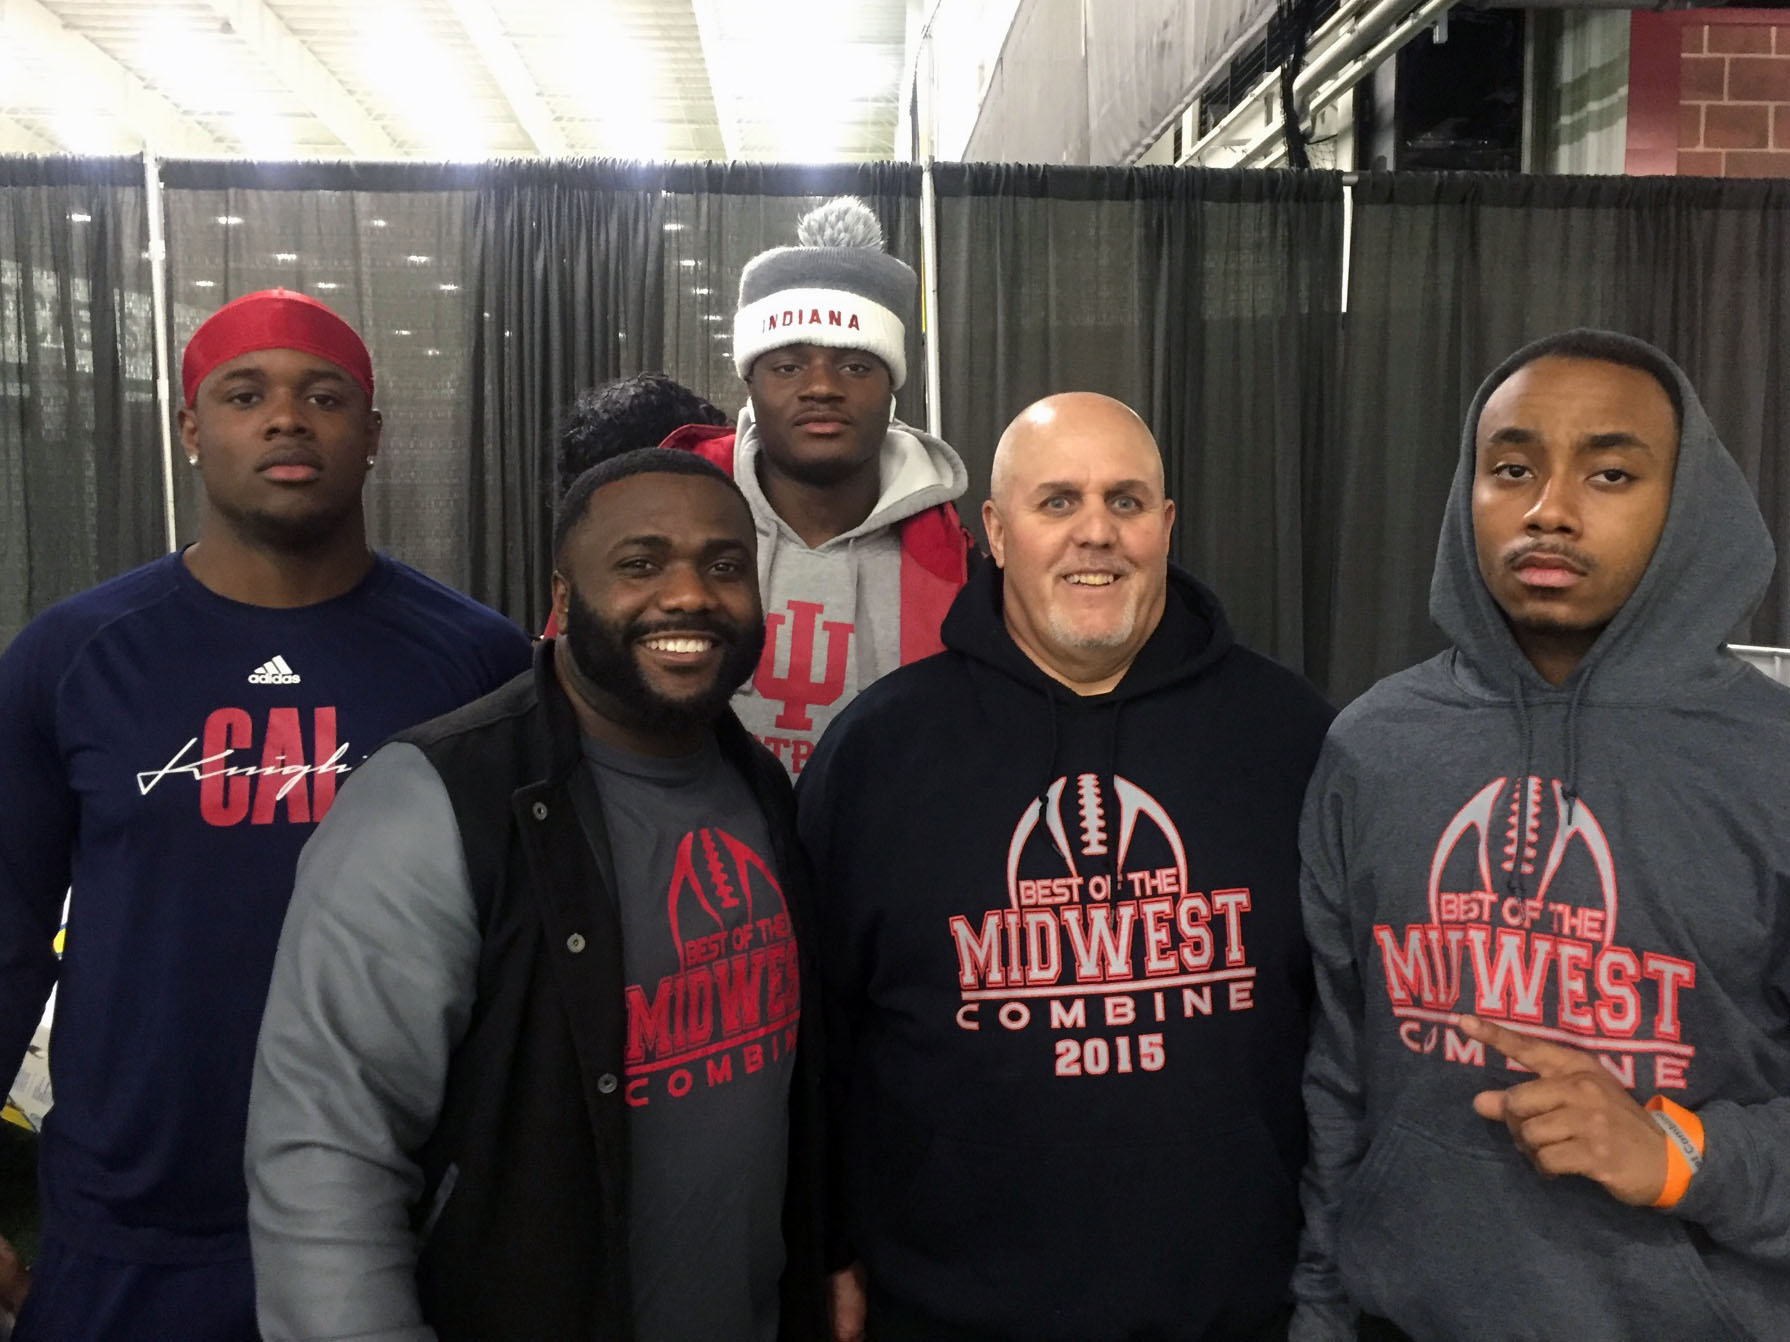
860,551
1547,887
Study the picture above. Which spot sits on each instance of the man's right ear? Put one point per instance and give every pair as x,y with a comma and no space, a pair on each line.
187,425
561,590
996,533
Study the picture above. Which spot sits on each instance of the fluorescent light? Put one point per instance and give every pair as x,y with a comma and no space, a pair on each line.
205,284
229,220
702,291
622,99
711,316
78,218
376,223
417,260
421,80
260,135
82,132
448,288
285,256
688,263
326,284
402,330
673,226
199,66
432,352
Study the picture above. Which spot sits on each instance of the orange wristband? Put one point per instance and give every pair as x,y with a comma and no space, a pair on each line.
1683,1133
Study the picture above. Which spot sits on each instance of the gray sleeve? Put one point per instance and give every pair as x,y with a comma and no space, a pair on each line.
1333,1092
372,988
1741,1196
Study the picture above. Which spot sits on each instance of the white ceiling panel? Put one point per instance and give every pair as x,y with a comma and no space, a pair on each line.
763,80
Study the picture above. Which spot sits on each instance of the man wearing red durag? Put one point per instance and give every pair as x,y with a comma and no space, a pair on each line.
168,741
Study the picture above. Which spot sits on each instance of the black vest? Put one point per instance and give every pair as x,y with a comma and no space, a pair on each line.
523,1212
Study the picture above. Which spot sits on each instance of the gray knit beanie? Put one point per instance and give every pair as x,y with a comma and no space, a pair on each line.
837,287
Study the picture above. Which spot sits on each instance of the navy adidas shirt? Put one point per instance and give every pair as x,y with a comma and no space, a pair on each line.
167,752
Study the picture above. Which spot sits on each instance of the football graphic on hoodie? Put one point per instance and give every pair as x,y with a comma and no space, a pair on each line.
1522,906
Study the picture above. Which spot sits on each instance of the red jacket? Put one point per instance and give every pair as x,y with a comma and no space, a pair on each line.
935,550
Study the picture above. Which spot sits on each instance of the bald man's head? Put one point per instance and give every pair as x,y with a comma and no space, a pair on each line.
1068,414
1079,523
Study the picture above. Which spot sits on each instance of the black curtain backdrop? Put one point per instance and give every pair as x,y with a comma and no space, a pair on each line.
388,247
1206,300
1451,273
80,468
1309,451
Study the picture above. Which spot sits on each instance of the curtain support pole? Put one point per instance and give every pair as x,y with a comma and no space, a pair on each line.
161,314
929,240
929,253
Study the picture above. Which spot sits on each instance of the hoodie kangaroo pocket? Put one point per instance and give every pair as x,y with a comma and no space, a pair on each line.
1162,1236
1459,1242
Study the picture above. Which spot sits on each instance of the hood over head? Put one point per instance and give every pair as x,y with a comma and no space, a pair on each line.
1708,572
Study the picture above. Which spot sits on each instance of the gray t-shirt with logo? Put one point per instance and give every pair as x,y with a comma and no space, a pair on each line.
713,999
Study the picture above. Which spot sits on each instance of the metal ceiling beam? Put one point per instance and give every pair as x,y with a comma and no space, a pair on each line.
18,138
104,85
305,77
511,75
715,62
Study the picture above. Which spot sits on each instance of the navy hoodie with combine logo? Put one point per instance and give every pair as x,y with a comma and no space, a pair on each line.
1062,955
1604,864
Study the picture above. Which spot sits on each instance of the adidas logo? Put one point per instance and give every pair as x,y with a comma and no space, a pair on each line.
273,672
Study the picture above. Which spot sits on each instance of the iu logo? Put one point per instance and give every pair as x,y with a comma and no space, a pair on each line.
798,689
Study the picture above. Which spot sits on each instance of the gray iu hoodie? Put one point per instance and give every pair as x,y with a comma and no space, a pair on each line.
833,612
1607,865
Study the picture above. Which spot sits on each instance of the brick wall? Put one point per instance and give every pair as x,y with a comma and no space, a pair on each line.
1734,99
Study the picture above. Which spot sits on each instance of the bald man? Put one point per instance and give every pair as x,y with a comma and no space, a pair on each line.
1060,941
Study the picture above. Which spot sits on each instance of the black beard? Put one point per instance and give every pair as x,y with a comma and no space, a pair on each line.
604,655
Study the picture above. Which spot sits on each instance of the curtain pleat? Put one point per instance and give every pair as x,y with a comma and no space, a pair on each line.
80,466
1449,274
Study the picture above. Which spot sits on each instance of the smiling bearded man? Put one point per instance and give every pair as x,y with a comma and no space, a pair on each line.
1061,936
536,1060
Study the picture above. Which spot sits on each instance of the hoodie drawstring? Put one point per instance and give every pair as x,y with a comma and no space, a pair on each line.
1572,748
1110,773
1570,789
1050,755
1514,885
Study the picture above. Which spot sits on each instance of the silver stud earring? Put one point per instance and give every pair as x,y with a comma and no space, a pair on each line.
369,461
193,462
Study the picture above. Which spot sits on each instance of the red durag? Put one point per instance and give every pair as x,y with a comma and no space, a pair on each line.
274,319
